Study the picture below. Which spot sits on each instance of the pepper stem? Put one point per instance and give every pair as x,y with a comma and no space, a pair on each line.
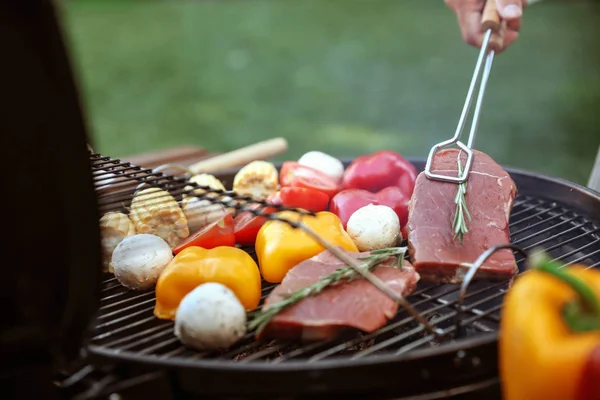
581,315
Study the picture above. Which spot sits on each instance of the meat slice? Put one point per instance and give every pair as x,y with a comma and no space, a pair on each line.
490,196
356,304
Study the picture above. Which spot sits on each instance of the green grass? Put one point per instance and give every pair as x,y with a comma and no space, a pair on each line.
343,76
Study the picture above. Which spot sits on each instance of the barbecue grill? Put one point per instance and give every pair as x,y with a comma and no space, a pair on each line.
402,359
104,340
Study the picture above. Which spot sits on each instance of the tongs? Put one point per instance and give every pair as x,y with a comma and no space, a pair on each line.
492,41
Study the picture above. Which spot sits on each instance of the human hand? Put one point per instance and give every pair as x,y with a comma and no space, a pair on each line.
468,13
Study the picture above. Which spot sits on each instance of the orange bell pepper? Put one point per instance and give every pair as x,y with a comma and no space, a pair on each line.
280,247
194,266
549,331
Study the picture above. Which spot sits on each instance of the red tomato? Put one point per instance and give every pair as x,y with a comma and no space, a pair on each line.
247,225
307,199
295,175
219,233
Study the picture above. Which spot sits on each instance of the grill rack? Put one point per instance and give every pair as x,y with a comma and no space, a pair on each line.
564,221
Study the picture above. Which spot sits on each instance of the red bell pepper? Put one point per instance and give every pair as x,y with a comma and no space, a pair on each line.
219,233
346,202
247,225
589,385
380,170
307,199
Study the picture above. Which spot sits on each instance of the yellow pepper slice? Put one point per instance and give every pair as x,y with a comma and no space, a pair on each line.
194,266
279,247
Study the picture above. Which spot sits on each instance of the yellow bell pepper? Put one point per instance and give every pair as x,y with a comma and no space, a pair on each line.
549,331
194,266
280,247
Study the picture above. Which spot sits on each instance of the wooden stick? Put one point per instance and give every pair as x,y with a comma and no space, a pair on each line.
490,19
258,151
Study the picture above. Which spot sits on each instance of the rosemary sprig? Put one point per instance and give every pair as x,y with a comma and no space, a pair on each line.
259,319
459,225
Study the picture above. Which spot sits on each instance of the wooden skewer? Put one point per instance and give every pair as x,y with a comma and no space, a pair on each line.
257,151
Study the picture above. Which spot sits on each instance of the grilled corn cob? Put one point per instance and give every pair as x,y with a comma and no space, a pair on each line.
200,213
114,227
205,180
212,182
156,212
258,179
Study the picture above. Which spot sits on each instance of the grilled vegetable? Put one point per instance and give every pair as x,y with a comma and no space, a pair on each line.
374,227
229,266
139,260
114,227
210,317
307,199
247,225
258,179
207,180
218,233
346,202
589,388
294,174
330,166
279,247
156,212
380,170
549,329
201,213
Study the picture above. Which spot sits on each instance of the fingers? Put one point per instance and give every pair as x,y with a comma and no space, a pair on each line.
510,10
470,27
509,38
468,13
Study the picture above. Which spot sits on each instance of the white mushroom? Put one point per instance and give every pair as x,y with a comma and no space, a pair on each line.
139,260
374,227
210,317
323,162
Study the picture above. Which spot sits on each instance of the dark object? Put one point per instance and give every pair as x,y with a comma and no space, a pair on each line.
51,281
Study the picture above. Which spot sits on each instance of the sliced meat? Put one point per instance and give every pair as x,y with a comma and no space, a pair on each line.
357,304
490,196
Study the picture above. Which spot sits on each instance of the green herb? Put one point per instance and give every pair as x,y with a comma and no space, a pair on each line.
261,318
459,225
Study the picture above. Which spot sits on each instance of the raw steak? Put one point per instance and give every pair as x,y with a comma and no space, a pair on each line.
490,195
357,304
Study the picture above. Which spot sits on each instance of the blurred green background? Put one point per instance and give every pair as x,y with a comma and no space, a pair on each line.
342,76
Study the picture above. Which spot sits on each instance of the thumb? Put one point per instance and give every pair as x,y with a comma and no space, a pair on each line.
510,9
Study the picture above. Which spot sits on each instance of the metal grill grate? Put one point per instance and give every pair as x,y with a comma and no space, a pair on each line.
126,324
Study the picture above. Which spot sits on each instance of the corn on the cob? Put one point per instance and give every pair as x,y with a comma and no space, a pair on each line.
214,183
114,227
258,179
205,180
200,213
156,212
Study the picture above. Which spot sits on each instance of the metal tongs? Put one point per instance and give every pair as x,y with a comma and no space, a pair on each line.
492,41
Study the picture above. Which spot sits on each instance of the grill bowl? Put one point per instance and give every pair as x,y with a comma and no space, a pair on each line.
400,359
